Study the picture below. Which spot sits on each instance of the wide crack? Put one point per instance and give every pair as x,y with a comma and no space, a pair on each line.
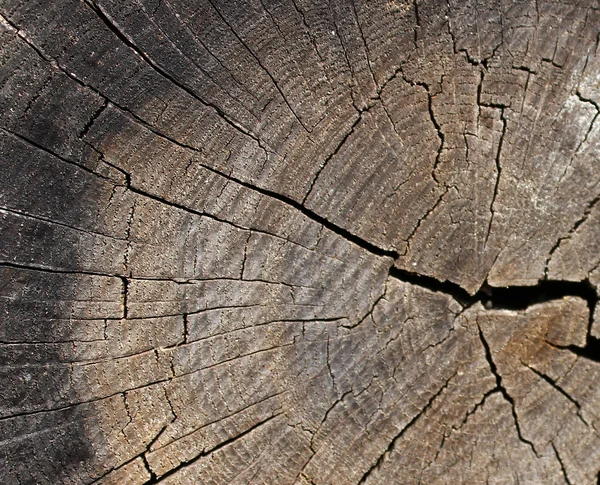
516,298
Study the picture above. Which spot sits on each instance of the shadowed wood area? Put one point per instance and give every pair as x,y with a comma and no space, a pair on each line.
299,242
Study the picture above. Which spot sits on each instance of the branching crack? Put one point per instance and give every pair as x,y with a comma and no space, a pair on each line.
361,111
340,231
299,206
309,33
370,312
459,426
344,233
500,387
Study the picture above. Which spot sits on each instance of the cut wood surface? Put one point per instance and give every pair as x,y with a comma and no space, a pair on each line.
299,242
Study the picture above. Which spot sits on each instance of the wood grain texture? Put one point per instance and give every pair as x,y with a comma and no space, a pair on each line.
299,242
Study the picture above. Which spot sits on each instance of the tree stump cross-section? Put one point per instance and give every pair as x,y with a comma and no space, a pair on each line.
292,242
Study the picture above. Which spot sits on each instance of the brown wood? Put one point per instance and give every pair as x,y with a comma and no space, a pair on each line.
343,242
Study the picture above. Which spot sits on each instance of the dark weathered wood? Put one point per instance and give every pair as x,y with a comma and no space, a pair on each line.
347,242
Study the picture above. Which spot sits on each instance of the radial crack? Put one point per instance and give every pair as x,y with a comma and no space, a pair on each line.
34,144
438,129
112,26
92,119
392,443
422,219
572,231
262,66
562,466
558,388
507,397
362,36
332,154
204,453
496,158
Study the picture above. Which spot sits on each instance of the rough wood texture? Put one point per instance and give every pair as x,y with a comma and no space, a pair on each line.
343,242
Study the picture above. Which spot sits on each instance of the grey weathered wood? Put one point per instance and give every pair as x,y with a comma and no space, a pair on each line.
267,242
